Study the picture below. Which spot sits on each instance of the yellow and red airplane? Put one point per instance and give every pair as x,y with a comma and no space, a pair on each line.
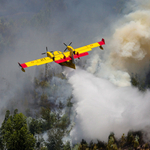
63,58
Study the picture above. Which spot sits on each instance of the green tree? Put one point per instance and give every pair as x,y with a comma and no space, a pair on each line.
44,84
2,131
136,142
35,126
44,101
43,148
123,140
101,145
76,147
64,122
67,146
83,145
36,82
69,106
130,137
111,142
55,136
46,115
5,119
15,135
139,82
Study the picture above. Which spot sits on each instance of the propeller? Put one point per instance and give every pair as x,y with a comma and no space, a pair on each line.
67,45
47,51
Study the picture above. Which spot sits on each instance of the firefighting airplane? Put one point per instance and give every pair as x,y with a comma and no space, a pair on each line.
63,58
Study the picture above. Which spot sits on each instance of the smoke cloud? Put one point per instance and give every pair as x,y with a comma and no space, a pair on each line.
103,107
130,44
104,99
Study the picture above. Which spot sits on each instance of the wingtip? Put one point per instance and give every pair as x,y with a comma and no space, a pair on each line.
21,67
19,64
102,42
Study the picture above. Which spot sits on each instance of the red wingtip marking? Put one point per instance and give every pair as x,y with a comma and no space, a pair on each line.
102,42
24,65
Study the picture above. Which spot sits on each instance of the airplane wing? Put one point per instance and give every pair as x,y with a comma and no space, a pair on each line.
60,57
36,62
79,52
86,48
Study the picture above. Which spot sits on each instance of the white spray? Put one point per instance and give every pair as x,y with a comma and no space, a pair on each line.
101,106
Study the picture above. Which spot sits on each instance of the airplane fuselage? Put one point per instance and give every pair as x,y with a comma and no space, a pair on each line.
69,63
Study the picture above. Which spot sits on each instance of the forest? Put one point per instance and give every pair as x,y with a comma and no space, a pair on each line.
40,110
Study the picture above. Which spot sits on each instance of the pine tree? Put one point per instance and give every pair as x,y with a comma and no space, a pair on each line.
67,146
55,136
15,134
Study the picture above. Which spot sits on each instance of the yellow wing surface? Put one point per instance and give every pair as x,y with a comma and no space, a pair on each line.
89,47
37,62
78,52
60,57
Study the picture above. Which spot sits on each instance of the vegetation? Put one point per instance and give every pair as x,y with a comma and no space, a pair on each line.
138,82
133,140
14,133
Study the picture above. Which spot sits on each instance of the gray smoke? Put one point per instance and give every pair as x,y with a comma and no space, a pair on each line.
102,107
104,99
